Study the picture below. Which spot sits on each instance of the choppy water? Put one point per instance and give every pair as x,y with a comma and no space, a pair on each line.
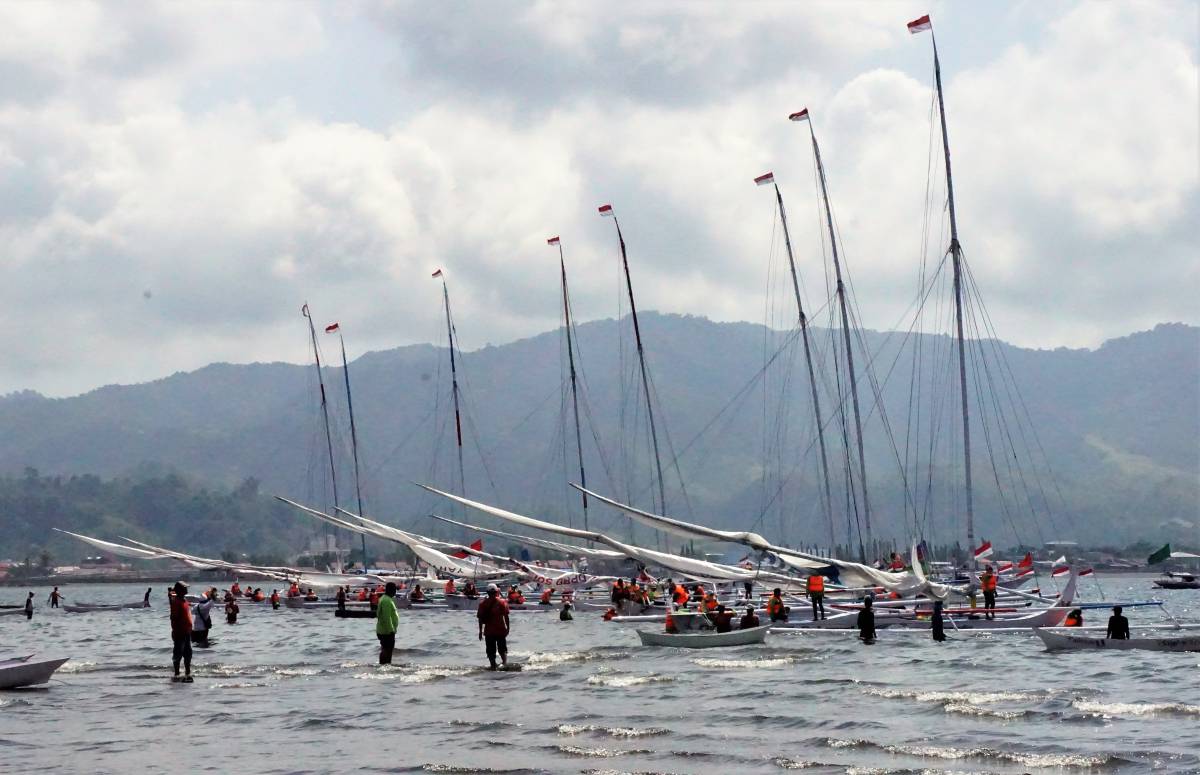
289,692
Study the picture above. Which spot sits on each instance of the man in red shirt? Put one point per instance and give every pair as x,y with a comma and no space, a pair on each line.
493,625
181,631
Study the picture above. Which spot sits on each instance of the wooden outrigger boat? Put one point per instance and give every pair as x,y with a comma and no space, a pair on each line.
705,640
1061,638
83,608
16,673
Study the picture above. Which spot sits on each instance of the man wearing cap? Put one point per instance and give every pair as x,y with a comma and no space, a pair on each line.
493,625
181,631
387,621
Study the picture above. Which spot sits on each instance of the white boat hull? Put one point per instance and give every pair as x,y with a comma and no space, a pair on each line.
83,608
14,675
702,640
1057,640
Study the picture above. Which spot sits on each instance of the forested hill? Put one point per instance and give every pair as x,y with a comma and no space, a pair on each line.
1104,440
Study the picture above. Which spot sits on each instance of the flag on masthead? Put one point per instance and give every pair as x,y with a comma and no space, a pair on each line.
765,180
800,115
920,25
552,241
606,211
437,273
329,329
984,550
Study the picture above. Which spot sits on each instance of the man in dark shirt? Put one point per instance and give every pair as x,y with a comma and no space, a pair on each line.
723,619
866,622
750,620
493,625
1118,625
181,631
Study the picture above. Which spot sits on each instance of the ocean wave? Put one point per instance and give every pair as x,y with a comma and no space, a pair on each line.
578,729
977,709
545,660
82,666
598,753
748,664
1027,759
970,697
619,681
1136,708
414,674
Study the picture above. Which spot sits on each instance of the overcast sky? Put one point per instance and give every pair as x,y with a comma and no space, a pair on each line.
177,179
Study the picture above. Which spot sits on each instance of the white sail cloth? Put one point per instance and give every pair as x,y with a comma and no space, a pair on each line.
701,570
117,549
539,543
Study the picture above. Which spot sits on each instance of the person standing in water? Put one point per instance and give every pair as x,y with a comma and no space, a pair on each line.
341,598
866,622
387,621
936,622
815,587
55,596
146,597
494,626
1118,626
202,620
29,606
565,614
181,631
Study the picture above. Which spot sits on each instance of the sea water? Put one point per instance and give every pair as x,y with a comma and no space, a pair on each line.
300,692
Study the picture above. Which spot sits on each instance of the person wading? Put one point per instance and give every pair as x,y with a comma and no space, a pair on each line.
936,623
29,606
181,631
55,596
866,622
202,620
494,626
815,587
987,581
1118,626
387,621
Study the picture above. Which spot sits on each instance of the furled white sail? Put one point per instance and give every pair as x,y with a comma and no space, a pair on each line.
447,564
560,580
540,543
117,549
701,570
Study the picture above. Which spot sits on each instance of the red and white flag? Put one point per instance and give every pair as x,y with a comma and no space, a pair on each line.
920,25
329,329
765,180
1087,572
800,115
437,273
1004,567
461,555
606,211
1023,573
1060,571
552,241
984,550
1026,561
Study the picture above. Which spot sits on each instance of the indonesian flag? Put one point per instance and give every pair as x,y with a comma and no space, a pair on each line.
984,550
477,546
606,211
1060,571
329,329
800,115
552,241
1087,572
1004,567
920,25
765,180
1026,561
437,273
1024,572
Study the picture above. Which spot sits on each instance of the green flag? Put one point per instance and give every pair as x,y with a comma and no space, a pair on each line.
1160,555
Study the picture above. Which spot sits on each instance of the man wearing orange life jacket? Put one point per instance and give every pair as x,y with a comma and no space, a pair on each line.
776,610
450,589
374,598
545,598
987,581
236,589
671,628
294,590
514,595
362,594
815,587
897,564
710,603
1075,618
680,596
275,598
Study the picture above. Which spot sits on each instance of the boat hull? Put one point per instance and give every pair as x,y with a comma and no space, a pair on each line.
83,608
700,640
14,675
1056,640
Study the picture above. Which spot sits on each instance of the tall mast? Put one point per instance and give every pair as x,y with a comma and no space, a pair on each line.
841,296
607,210
920,25
312,331
353,434
462,488
571,364
812,374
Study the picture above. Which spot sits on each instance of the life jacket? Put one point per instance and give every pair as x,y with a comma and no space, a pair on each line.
294,590
609,614
897,564
681,596
815,583
417,594
258,596
774,606
671,623
988,581
515,596
546,593
235,589
374,598
450,589
710,603
362,594
274,597
1073,620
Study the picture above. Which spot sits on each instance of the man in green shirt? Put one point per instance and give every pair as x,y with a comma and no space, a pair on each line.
387,620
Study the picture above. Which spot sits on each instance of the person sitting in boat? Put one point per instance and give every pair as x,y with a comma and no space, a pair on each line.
671,628
776,610
897,564
680,596
311,596
1118,626
514,595
275,599
258,595
1074,618
618,594
710,603
565,614
723,619
450,589
470,591
362,594
374,598
236,589
294,589
417,595
545,598
750,620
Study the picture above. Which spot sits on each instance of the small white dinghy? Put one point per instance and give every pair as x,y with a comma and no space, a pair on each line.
1058,639
27,672
83,608
705,640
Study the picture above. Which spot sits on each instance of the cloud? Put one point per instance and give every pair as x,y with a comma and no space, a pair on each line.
152,157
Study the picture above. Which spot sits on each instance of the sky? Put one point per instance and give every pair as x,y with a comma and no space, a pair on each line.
176,180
